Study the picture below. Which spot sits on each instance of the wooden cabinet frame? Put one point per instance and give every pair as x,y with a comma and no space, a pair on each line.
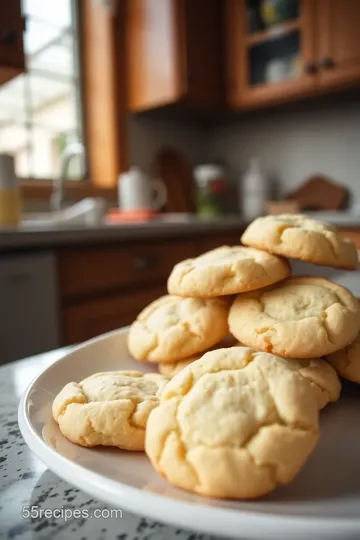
241,94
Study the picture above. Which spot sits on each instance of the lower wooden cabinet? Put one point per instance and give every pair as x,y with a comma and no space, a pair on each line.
226,239
105,287
90,318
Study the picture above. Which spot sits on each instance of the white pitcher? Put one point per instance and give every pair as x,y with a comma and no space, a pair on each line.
137,192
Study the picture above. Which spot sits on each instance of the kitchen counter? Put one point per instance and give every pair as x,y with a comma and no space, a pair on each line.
26,237
26,485
30,236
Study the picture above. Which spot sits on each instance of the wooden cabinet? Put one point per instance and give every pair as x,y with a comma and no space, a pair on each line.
105,287
312,50
270,64
92,317
11,40
339,44
174,53
101,269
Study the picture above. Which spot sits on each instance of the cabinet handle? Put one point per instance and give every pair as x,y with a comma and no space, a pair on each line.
310,68
8,38
146,262
327,63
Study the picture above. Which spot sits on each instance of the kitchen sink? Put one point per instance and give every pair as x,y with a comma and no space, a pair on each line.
88,212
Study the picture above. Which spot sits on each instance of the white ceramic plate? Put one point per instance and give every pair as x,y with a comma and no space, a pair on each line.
323,502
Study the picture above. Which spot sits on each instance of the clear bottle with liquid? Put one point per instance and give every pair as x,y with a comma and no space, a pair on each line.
253,192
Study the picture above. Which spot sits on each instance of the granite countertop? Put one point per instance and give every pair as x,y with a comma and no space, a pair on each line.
26,482
28,236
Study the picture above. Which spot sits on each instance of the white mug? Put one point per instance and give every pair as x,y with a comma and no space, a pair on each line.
137,192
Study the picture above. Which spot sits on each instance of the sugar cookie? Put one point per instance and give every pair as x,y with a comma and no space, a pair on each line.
234,424
170,370
173,328
322,377
347,361
109,409
300,237
303,317
227,270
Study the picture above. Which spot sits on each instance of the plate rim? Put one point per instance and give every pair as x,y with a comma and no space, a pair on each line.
213,519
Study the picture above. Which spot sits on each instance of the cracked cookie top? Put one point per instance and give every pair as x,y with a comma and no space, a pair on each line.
321,376
226,270
347,361
173,328
300,237
234,424
302,317
109,409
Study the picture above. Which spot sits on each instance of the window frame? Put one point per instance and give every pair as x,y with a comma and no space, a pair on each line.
102,75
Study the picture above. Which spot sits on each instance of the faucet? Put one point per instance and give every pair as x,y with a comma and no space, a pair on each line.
75,149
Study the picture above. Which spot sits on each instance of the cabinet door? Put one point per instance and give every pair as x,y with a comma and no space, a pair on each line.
11,40
204,51
91,318
339,42
29,305
270,51
155,58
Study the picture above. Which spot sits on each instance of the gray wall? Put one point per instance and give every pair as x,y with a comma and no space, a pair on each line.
294,145
147,136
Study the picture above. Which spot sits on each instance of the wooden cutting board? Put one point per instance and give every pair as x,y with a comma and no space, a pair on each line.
171,166
320,193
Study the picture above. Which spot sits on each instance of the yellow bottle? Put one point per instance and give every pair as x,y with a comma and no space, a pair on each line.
10,197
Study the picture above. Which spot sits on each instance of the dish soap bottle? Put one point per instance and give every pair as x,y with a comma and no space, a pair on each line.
254,191
10,199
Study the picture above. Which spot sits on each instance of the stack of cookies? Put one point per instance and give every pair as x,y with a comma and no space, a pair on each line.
235,419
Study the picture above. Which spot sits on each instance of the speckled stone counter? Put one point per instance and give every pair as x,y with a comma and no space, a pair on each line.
26,483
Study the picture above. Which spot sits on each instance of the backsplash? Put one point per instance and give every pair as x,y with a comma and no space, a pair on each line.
293,146
147,136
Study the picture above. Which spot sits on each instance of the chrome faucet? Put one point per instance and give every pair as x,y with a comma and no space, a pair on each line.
75,149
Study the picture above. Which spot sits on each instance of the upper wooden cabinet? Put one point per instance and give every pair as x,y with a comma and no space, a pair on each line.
174,53
268,63
287,49
11,40
338,26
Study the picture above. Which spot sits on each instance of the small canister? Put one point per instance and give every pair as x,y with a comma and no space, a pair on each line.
211,190
10,197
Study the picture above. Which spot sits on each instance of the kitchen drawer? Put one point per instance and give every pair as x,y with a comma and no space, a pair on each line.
91,318
88,270
225,239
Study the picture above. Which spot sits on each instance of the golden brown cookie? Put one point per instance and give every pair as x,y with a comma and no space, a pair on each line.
173,328
302,317
227,270
300,237
170,370
109,409
347,361
234,424
322,377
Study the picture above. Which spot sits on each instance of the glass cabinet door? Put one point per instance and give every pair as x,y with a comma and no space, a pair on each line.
273,42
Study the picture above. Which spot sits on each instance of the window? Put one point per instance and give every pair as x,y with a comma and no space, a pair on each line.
40,111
